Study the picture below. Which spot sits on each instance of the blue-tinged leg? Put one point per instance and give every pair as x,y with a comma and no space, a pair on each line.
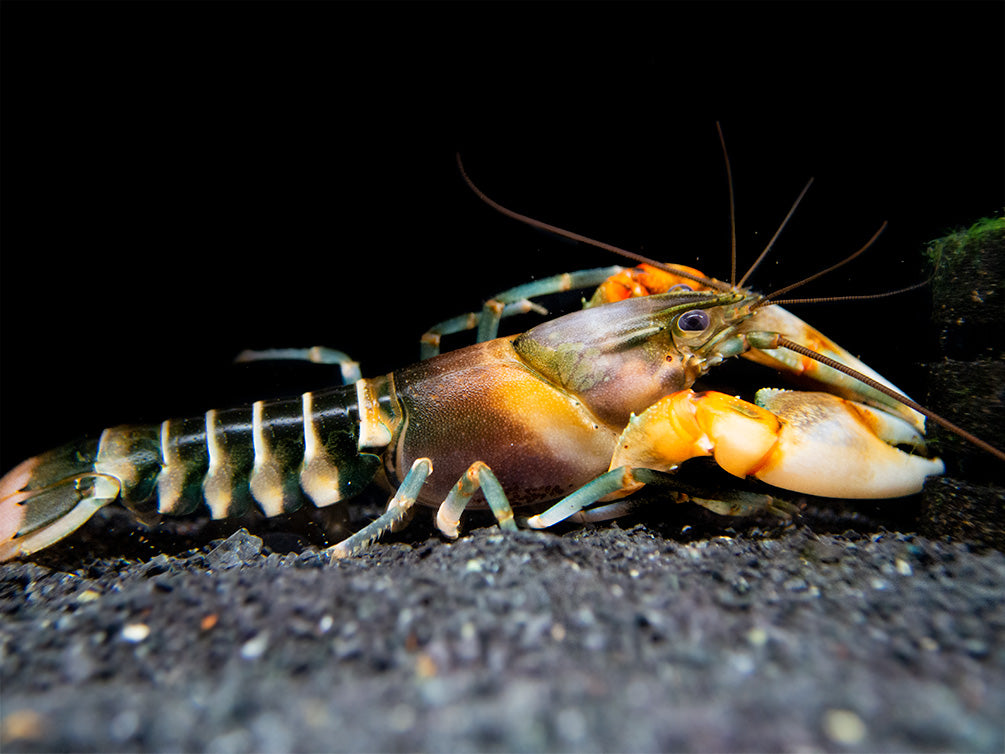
577,506
608,511
615,480
316,355
478,476
398,509
511,302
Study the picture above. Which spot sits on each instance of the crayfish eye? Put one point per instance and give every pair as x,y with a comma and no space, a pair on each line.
680,287
695,320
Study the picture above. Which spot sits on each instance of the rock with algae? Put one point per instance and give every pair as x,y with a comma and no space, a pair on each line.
968,385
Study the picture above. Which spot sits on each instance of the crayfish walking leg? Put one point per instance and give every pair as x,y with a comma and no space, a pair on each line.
398,510
478,475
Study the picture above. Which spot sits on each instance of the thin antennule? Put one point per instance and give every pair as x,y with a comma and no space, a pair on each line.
858,297
732,212
710,282
769,299
804,351
778,232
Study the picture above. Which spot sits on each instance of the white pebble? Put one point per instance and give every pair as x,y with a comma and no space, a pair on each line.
843,726
254,647
134,633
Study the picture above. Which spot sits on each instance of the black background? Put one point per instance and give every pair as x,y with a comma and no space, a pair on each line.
183,181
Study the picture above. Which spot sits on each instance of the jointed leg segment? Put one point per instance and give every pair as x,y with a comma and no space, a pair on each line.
517,300
397,510
478,476
579,506
316,355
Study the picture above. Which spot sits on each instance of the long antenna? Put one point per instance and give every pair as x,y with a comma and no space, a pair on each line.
732,213
778,232
732,218
856,297
769,299
540,225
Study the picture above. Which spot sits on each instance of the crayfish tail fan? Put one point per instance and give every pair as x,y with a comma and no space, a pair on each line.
45,498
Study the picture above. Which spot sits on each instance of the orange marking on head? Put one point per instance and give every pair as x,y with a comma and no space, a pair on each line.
644,280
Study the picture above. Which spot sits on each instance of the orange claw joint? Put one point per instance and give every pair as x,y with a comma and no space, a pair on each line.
813,443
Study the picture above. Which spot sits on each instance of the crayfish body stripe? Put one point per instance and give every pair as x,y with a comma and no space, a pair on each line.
185,454
272,454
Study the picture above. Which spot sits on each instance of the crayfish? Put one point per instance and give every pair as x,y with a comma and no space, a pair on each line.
583,409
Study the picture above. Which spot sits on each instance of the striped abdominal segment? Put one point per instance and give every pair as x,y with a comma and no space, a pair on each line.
231,457
275,454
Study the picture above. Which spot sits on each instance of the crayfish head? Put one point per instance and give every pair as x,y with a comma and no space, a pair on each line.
620,358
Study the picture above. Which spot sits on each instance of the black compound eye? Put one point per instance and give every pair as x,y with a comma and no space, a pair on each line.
695,320
680,287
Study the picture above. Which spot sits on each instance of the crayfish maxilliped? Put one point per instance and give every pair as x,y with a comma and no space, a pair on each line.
584,409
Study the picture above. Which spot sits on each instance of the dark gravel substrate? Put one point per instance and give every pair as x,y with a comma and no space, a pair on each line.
600,639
